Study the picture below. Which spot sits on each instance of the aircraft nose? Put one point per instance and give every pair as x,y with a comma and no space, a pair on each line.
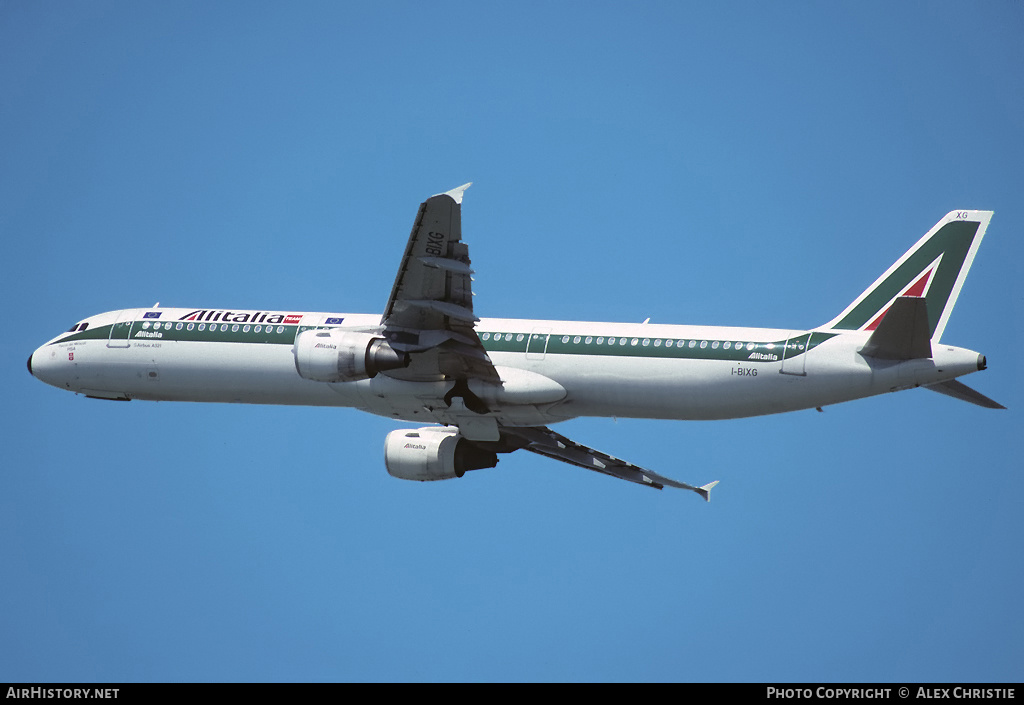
38,367
44,366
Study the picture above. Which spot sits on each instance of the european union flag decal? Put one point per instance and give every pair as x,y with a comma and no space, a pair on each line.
152,314
333,321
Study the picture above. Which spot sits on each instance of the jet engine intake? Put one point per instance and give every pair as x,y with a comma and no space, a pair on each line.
433,453
332,355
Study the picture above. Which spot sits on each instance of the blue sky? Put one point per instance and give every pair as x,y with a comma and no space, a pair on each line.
741,164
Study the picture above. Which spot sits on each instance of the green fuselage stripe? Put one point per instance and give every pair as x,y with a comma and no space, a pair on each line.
669,348
733,350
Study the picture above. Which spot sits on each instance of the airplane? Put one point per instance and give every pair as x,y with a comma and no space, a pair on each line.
490,386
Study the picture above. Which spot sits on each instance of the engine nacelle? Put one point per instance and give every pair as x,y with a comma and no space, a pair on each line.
332,355
433,453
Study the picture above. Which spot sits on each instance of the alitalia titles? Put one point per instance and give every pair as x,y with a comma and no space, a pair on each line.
206,314
767,357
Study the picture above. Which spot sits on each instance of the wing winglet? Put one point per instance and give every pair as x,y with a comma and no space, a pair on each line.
705,490
457,192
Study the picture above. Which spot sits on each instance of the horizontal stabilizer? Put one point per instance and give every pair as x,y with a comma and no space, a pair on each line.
959,390
903,333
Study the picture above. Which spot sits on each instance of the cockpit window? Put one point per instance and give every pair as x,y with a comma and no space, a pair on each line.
78,327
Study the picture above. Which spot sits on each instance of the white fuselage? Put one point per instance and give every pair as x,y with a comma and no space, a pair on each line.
605,369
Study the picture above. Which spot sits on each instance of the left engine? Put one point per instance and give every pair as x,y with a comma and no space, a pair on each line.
433,453
332,355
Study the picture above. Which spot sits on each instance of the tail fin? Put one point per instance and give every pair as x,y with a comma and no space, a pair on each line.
933,269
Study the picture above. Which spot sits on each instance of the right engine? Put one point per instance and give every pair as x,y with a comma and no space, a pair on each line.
433,453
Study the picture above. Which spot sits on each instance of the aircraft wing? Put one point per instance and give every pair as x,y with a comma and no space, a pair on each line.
544,441
430,310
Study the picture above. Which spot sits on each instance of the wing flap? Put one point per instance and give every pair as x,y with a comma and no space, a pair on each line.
451,265
445,308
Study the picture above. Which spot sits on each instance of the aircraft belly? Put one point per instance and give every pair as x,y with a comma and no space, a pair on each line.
595,386
425,402
669,389
698,389
202,372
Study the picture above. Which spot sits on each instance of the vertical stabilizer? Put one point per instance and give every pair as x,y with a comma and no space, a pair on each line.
933,269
